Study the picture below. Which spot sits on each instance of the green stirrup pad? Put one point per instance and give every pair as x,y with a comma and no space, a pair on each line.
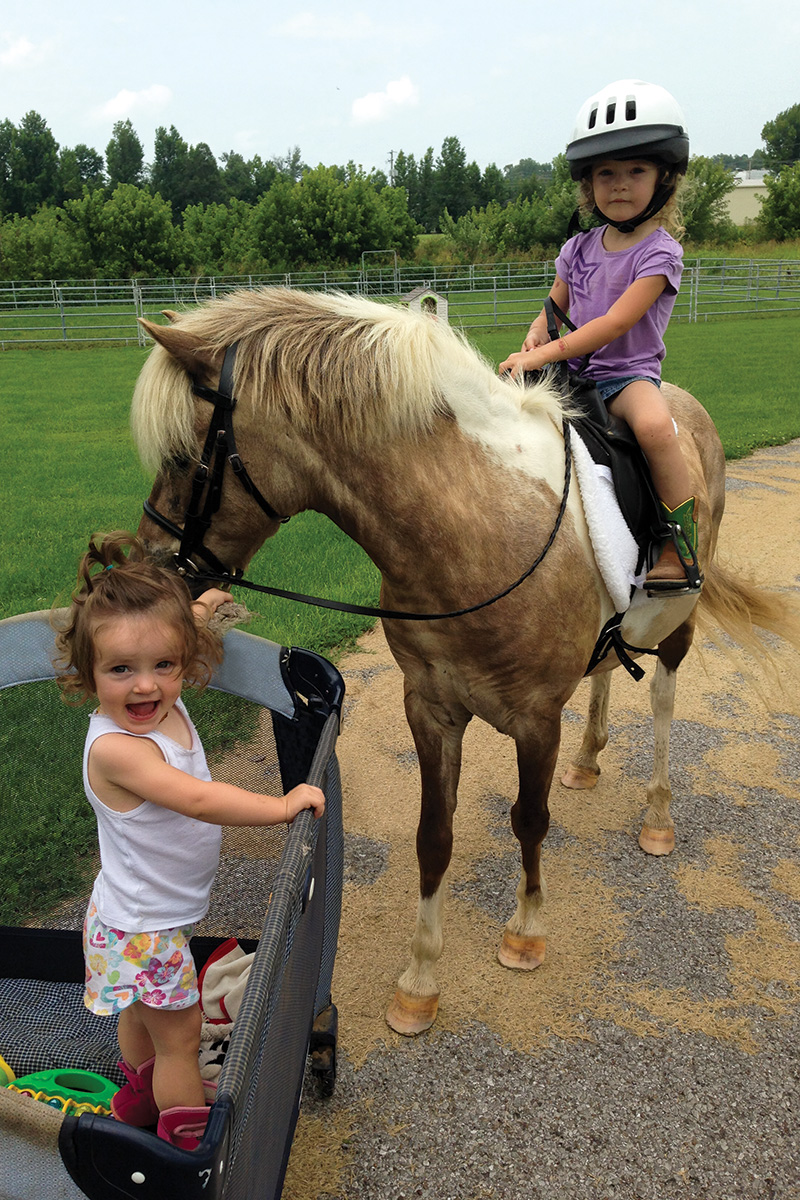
683,516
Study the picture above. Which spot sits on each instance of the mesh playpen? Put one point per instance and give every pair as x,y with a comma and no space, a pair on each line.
269,720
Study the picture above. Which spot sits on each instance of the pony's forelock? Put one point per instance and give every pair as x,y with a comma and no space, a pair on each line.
162,410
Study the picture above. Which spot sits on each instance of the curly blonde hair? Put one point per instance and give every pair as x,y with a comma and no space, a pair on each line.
125,583
669,216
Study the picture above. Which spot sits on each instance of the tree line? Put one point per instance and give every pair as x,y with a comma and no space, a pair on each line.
73,213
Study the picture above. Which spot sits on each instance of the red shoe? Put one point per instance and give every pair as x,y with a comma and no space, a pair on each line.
183,1127
134,1103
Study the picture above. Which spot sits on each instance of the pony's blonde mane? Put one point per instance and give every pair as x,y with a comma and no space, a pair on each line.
369,371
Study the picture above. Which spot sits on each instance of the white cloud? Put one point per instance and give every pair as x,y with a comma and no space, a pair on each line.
309,26
21,52
377,106
127,102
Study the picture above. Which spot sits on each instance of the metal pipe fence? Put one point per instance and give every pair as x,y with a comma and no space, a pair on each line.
481,296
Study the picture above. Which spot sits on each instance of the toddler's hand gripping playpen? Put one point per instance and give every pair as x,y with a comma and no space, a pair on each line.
271,722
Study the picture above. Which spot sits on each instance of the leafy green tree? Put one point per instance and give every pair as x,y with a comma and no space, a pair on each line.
43,246
8,137
324,219
493,186
782,138
129,233
428,209
290,165
477,235
218,238
204,183
703,203
780,209
454,187
184,174
169,174
29,174
124,156
264,174
77,169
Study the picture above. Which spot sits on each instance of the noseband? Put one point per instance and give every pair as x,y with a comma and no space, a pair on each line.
219,449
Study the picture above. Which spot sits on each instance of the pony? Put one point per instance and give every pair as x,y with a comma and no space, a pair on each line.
451,479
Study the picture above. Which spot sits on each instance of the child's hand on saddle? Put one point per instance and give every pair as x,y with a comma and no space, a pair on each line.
301,797
517,364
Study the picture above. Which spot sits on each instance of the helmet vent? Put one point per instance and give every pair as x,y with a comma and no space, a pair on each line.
630,109
593,117
611,112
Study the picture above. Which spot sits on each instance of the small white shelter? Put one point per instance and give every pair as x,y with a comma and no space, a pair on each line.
428,301
744,201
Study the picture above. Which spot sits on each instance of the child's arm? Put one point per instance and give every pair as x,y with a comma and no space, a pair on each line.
207,604
537,334
125,771
622,316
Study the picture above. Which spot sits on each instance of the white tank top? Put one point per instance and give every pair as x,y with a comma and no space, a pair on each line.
157,865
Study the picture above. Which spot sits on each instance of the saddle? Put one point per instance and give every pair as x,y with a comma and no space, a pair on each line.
611,444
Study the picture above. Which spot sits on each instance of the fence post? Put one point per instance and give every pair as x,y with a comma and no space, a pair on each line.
60,295
138,304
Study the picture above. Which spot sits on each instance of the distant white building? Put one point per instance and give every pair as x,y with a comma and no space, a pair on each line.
426,300
743,201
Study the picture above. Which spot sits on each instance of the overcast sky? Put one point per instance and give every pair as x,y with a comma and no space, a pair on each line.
357,81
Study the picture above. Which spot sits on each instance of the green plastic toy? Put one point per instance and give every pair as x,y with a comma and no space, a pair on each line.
6,1074
74,1092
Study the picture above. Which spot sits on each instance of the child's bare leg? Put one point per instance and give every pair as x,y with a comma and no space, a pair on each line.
135,1043
645,410
175,1034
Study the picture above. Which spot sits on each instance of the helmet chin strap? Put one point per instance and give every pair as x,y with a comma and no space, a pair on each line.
660,197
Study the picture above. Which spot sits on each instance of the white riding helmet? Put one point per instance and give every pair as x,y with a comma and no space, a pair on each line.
629,119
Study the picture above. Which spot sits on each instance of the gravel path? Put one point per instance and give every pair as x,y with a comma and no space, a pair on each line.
654,1056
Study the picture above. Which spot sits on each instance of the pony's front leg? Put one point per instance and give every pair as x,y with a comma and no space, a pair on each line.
584,771
658,832
523,944
438,735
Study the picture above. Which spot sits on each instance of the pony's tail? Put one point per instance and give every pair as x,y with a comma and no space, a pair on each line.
739,608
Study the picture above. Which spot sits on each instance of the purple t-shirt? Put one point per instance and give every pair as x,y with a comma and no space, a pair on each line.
597,278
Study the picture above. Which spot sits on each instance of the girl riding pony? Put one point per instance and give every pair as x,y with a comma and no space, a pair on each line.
619,282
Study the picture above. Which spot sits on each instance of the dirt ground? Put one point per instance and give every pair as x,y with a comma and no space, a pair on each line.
655,1051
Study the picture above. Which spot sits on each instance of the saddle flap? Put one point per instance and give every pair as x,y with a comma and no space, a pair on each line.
615,447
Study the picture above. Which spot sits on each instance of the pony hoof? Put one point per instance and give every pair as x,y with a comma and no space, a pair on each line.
411,1015
521,953
580,777
657,841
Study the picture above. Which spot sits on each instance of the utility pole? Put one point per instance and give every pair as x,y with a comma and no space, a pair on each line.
391,168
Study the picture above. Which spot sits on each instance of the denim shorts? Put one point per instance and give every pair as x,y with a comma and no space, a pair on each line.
609,388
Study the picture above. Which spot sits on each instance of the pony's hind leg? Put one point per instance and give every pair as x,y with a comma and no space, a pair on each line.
584,771
523,944
658,831
438,734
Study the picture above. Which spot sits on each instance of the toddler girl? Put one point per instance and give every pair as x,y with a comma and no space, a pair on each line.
132,638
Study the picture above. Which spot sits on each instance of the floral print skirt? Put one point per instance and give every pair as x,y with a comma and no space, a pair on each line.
155,967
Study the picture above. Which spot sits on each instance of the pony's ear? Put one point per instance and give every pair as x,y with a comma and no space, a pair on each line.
186,347
171,315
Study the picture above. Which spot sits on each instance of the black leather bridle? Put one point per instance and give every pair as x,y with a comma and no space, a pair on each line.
219,449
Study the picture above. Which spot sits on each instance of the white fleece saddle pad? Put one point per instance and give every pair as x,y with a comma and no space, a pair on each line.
614,546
